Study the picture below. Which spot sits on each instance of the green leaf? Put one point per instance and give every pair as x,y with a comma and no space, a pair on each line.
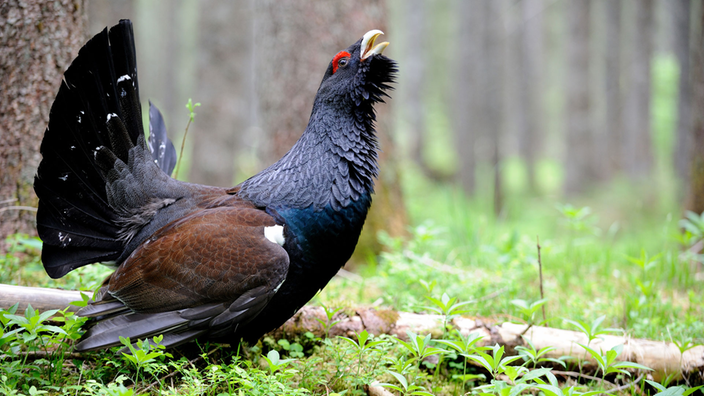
552,379
362,337
498,354
273,357
580,325
468,377
550,390
656,385
394,387
692,390
512,372
522,304
631,365
535,374
53,329
400,378
596,355
672,391
483,359
47,314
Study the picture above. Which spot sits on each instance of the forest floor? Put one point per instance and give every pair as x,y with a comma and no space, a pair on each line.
611,263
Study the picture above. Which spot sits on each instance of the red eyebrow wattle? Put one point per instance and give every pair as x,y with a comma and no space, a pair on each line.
337,57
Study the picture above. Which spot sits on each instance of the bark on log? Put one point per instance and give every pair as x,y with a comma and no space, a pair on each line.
42,299
663,357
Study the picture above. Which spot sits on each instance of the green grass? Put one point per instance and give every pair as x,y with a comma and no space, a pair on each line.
615,255
592,260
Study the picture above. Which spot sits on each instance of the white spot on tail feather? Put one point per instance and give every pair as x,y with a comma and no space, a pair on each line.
276,289
275,234
111,115
123,78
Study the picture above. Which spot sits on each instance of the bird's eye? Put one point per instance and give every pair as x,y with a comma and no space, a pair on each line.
340,60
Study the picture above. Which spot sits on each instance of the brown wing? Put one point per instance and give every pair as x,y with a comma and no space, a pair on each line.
204,273
213,255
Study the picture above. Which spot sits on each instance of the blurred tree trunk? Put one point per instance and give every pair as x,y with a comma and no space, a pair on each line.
467,114
695,196
681,23
614,98
580,143
531,103
637,146
166,35
223,121
102,13
493,64
38,41
415,14
292,54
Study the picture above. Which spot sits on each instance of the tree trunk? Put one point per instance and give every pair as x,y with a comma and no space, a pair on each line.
614,99
224,70
494,42
467,114
38,40
415,15
637,154
695,197
681,23
291,56
580,143
531,104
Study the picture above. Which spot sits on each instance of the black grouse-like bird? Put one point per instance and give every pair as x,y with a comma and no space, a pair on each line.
192,260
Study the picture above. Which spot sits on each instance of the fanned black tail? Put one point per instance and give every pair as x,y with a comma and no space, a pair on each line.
95,120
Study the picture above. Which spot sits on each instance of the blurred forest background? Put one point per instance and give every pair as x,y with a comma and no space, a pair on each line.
580,122
500,101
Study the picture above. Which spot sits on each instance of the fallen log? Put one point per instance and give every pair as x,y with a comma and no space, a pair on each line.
42,299
663,357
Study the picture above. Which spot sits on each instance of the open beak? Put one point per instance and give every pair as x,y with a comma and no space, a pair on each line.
368,48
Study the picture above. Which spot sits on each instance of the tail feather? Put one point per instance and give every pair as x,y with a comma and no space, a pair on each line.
163,151
75,220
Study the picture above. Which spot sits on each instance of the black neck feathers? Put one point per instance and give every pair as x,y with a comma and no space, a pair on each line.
335,160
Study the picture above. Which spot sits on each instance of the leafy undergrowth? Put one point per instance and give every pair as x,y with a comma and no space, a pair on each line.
630,274
37,360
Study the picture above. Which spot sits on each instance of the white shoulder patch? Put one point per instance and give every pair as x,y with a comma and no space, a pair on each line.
275,234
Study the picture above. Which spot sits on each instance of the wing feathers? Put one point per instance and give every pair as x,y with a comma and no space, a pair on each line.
211,271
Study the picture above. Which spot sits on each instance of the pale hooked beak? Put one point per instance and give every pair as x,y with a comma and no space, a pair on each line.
368,48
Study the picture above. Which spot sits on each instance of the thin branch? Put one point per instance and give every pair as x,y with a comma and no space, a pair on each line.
615,388
626,386
580,375
540,270
183,143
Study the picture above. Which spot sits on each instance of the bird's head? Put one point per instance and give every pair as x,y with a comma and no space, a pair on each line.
359,73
